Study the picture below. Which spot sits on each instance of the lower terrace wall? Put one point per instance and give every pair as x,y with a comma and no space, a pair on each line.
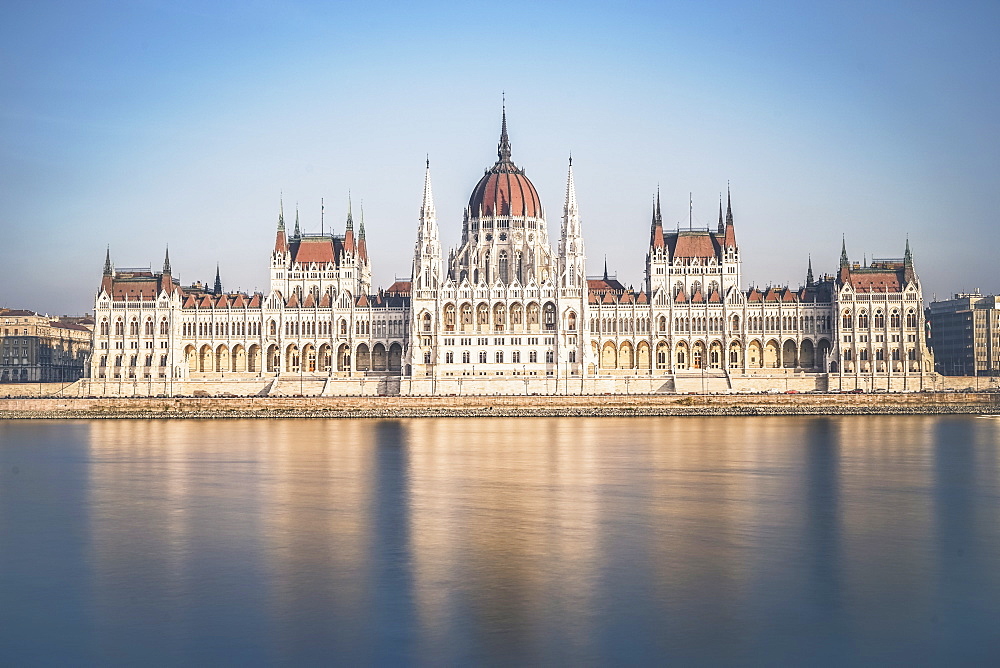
681,383
500,406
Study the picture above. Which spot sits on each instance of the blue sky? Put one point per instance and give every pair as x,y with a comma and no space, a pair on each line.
142,124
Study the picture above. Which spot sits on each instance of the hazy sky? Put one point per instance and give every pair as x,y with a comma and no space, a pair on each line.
142,124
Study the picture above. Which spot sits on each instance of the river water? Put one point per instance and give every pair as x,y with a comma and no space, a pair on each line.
699,541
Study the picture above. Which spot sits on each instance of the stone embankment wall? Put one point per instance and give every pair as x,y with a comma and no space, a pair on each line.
501,406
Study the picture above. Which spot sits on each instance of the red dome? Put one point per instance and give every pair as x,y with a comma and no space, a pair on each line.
504,190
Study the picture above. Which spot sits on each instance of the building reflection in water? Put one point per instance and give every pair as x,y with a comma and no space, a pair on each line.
532,540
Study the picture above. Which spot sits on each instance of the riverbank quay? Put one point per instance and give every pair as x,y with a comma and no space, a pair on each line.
938,403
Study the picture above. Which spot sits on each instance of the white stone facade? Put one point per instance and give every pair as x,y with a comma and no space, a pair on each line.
505,314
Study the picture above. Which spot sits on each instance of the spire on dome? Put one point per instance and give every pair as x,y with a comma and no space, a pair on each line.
108,269
217,290
809,272
503,149
166,261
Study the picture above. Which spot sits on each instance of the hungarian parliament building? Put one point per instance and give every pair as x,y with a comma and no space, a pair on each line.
506,313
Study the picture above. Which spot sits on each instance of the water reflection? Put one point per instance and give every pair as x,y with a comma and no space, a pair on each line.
776,540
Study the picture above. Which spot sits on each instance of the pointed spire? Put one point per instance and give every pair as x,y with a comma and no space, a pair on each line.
729,206
659,215
722,225
217,290
298,232
281,213
427,207
166,261
907,256
809,272
361,228
350,217
108,269
503,149
844,262
605,267
570,206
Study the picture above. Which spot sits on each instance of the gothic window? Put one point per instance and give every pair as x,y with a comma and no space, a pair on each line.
499,357
163,360
572,356
879,320
678,289
533,356
499,317
863,355
515,357
105,329
449,357
862,320
895,354
879,354
571,322
532,314
695,287
911,354
466,357
149,360
516,314
466,314
894,320
519,267
550,356
104,360
427,357
273,328
449,318
848,355
911,319
503,267
482,357
426,322
848,321
343,327
483,314
550,316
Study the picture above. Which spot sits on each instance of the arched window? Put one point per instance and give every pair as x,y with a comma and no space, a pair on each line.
862,320
426,322
533,356
273,328
499,357
879,319
466,314
848,321
550,356
149,328
119,327
482,357
894,320
164,327
519,267
503,267
911,319
550,316
466,357
105,328
449,318
571,321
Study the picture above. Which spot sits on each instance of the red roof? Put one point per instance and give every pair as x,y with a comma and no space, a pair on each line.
700,245
318,250
399,289
876,281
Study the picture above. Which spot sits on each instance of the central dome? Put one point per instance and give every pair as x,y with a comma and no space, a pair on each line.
504,190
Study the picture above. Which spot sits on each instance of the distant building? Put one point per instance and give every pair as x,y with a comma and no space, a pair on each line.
965,335
508,312
35,348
